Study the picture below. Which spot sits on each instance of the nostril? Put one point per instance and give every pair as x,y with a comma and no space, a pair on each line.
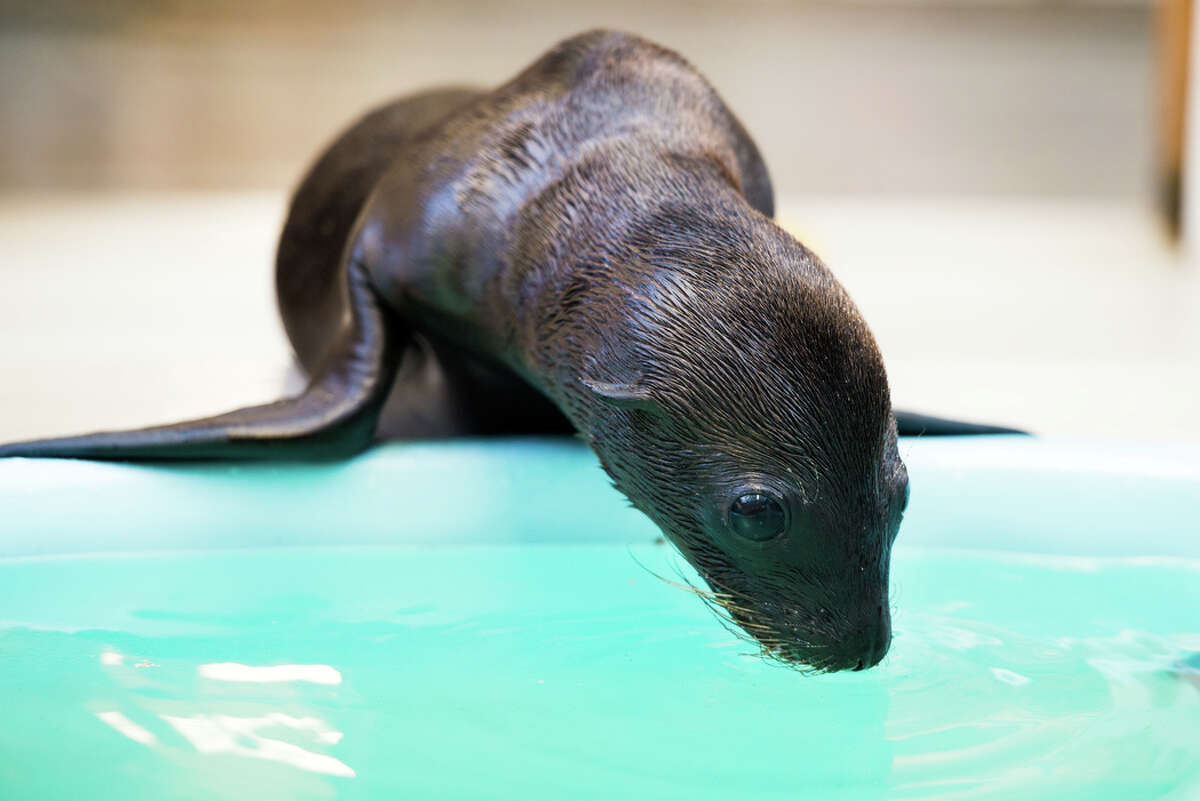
859,666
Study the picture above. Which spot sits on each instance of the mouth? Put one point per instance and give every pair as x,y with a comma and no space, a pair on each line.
807,636
825,659
821,643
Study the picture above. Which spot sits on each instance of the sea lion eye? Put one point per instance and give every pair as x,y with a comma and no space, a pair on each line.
756,516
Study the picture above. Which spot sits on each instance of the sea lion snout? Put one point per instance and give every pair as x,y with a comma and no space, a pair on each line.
867,647
876,642
799,622
864,650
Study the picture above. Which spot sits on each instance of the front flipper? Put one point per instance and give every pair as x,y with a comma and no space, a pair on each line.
334,417
911,424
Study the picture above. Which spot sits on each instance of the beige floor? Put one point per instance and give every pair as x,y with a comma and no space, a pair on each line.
1067,317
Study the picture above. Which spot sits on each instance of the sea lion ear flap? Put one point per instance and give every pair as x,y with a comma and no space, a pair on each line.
630,395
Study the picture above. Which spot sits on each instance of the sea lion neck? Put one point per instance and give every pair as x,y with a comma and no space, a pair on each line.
597,270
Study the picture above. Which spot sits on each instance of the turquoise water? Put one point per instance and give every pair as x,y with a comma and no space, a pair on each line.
547,671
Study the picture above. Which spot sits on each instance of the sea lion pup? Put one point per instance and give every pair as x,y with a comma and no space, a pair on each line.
590,246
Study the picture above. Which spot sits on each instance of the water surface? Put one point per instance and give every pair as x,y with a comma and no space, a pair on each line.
557,671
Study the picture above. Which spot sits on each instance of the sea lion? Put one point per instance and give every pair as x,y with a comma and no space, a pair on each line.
590,247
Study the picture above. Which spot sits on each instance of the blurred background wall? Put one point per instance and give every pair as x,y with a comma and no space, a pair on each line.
981,174
976,97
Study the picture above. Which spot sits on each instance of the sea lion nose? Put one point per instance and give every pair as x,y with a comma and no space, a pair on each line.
874,640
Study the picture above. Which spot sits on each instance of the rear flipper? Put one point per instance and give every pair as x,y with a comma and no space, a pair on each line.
334,417
911,424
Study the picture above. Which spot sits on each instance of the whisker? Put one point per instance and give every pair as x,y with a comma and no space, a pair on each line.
785,642
686,585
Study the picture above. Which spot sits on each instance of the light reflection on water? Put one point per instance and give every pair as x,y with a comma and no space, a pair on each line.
228,734
127,727
232,671
244,736
554,672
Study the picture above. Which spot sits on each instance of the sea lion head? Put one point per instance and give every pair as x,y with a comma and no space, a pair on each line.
742,405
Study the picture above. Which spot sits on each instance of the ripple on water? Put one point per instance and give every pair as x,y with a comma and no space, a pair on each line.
979,711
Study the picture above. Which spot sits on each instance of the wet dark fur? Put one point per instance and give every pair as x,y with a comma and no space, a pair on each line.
790,390
590,245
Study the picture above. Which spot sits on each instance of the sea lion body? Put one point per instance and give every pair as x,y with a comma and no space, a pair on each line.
473,234
590,245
